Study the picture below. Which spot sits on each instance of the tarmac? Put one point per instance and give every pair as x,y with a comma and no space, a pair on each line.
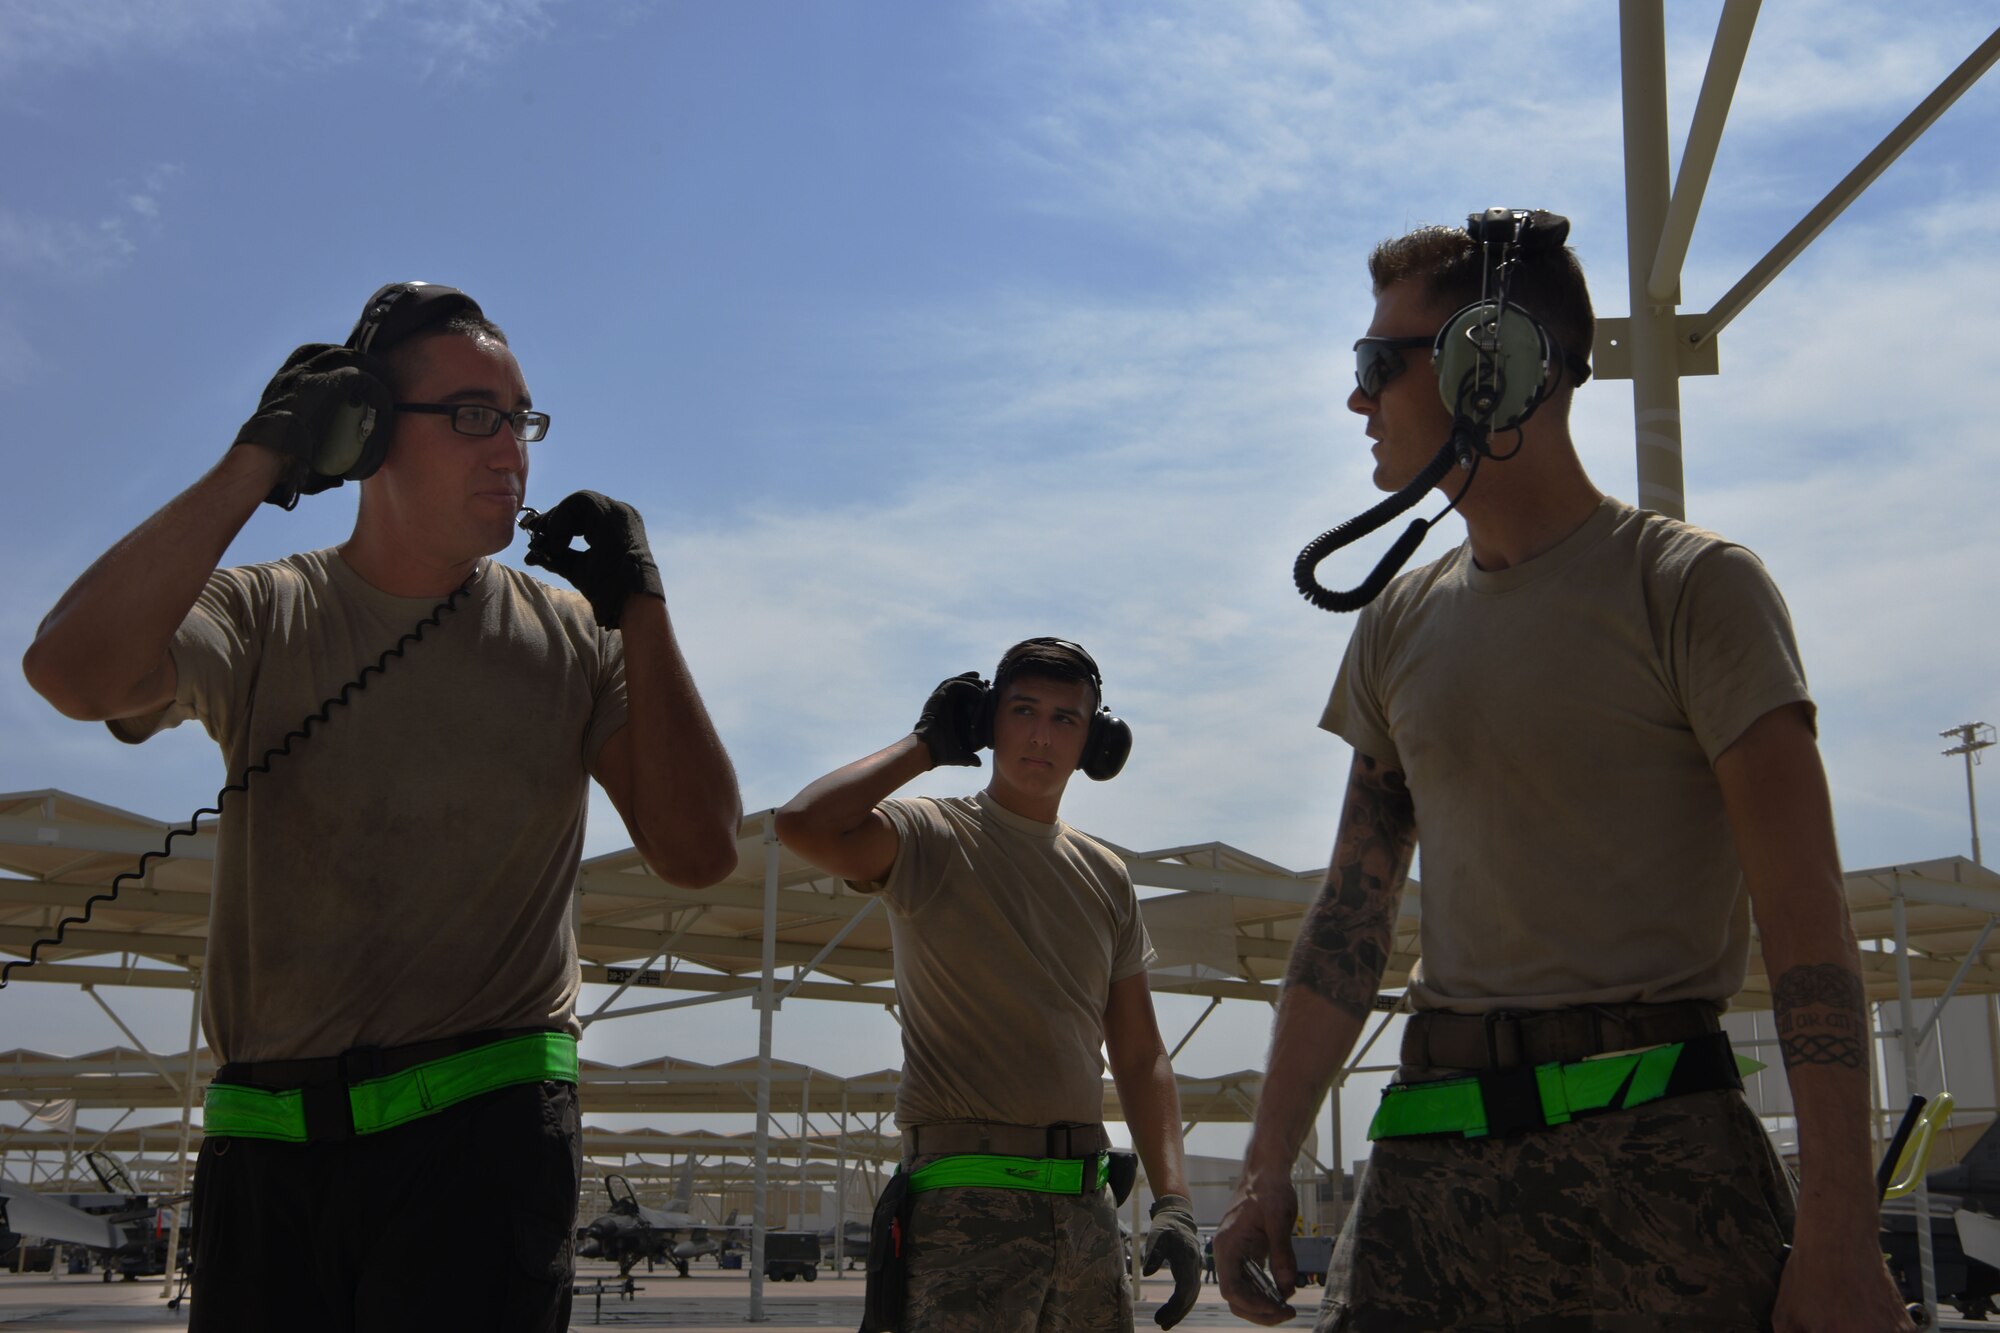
710,1298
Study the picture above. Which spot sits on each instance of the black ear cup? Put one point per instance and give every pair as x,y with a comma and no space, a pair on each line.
1492,364
1107,748
982,729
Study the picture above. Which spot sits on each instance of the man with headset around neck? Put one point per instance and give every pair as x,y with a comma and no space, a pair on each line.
391,971
1598,719
1019,954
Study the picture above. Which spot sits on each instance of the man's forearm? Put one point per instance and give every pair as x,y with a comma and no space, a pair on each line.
685,800
1309,1042
840,801
1822,1019
1337,962
1152,1104
113,627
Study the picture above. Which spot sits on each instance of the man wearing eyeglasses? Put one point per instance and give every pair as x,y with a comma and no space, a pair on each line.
391,971
1598,718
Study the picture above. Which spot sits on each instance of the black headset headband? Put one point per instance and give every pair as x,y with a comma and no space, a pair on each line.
1089,662
403,309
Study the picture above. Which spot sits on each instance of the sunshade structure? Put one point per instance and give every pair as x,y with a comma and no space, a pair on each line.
1222,920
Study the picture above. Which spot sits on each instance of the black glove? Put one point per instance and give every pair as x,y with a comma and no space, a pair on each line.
323,410
618,562
1172,1241
949,727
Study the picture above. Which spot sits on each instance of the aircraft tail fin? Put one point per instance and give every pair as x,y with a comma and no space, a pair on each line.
684,1192
1977,1171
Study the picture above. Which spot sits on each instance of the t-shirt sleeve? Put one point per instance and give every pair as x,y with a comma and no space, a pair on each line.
1733,653
924,842
1356,711
215,653
1133,952
607,704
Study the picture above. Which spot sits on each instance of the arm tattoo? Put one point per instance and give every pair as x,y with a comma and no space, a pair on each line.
1345,939
1822,1014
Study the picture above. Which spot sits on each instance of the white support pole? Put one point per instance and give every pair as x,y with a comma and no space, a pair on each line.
766,1002
187,1131
805,1100
1656,386
1711,113
840,1191
1907,1039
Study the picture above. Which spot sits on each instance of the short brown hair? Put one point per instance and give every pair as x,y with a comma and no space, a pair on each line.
406,358
1548,284
1050,659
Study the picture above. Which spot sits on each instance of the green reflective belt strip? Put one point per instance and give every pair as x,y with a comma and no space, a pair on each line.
1458,1106
253,1113
1043,1175
396,1099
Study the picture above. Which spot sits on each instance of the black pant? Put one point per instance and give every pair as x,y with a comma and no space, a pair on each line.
464,1219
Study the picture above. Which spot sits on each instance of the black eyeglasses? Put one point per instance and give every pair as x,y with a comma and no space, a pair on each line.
479,419
1379,360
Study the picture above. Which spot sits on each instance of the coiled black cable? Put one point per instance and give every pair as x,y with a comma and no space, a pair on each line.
281,750
1324,545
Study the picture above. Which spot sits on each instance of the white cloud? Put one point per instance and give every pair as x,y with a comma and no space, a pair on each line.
62,246
1187,114
19,361
458,38
72,248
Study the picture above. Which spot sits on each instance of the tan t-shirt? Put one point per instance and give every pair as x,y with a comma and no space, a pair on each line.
406,872
1008,935
1557,723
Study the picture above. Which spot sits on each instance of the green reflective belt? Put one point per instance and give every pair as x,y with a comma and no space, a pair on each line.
1514,1100
395,1099
1043,1175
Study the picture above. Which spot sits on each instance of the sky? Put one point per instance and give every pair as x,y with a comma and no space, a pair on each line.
916,329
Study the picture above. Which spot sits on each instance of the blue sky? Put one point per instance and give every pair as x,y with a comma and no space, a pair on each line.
914,329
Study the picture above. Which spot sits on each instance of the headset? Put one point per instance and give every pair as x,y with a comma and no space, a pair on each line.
1109,742
1493,361
393,314
357,440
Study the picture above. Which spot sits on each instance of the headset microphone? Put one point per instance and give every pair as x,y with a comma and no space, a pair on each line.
1492,360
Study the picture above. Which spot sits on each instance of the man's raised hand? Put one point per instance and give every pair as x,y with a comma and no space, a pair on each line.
319,413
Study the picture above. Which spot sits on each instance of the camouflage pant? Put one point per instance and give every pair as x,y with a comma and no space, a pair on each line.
1013,1261
1671,1215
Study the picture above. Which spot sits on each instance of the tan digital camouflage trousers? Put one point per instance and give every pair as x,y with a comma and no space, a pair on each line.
1013,1261
1672,1215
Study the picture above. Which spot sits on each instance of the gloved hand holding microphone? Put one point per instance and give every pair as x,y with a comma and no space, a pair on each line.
615,563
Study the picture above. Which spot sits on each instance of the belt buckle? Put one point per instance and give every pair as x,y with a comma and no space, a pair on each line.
1507,1022
361,1064
1067,1128
329,1115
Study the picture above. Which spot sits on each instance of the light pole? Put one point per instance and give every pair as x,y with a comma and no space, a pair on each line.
1972,738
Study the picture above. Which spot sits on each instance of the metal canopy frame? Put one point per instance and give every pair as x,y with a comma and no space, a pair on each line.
1657,344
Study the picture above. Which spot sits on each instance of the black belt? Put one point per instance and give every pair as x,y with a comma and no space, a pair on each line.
1066,1139
323,1085
1509,1038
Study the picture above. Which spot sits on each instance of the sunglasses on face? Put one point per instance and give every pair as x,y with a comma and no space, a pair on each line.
1379,360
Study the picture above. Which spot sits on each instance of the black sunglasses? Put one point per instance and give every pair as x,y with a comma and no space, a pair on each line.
1379,360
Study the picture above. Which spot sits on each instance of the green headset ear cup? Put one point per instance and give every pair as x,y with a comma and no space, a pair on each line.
356,439
1107,747
1513,385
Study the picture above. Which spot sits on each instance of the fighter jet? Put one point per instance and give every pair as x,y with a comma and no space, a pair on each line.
123,1227
1965,1236
631,1231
